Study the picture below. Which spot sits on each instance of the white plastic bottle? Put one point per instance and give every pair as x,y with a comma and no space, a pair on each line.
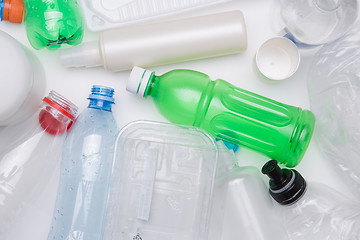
22,79
311,211
29,154
162,43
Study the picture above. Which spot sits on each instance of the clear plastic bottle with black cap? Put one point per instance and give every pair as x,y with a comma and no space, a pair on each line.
311,210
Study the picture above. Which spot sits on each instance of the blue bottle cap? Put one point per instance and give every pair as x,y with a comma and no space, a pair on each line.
101,97
1,9
229,145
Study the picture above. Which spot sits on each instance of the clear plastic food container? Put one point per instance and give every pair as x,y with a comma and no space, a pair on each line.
163,180
105,14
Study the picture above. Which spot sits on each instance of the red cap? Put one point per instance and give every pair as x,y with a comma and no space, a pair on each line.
13,11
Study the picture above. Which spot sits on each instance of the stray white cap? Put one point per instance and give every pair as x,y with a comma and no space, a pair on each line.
278,58
138,81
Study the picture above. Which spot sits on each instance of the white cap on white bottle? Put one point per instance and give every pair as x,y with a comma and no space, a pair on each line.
138,81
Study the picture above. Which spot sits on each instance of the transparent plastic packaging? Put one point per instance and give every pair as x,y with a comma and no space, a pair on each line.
104,14
311,211
334,91
243,207
29,154
316,22
322,213
163,177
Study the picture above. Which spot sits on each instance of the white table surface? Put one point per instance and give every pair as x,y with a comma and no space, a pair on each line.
75,84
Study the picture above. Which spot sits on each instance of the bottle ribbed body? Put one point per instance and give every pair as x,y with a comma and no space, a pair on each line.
277,130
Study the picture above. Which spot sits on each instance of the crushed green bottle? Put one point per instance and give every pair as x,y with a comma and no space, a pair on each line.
280,131
52,23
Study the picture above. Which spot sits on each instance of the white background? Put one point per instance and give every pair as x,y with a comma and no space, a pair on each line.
75,84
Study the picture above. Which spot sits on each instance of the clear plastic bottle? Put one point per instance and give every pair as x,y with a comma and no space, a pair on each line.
29,152
48,23
334,93
242,207
311,211
86,171
316,22
227,112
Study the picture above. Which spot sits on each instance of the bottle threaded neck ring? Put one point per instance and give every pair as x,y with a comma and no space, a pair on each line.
62,104
102,93
57,114
101,97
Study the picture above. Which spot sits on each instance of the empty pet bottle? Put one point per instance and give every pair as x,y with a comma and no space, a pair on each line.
316,22
227,112
48,23
85,171
29,151
311,211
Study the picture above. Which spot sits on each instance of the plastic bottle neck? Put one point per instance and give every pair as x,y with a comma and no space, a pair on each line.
101,98
12,11
151,84
286,185
56,114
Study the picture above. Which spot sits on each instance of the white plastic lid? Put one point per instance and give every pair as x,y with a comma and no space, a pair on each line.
138,80
278,58
17,77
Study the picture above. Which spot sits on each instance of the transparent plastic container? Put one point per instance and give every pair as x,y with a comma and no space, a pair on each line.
334,91
311,211
316,22
242,207
85,171
29,154
162,184
104,14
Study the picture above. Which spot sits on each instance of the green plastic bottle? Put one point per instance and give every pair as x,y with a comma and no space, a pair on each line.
51,23
280,131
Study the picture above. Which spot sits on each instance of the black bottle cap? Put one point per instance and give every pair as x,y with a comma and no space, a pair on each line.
286,186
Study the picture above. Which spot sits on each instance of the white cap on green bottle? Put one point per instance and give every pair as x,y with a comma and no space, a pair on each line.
138,81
